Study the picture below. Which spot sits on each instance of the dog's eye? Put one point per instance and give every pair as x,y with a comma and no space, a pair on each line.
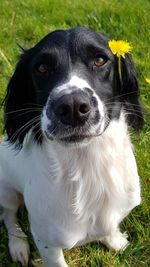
42,68
99,60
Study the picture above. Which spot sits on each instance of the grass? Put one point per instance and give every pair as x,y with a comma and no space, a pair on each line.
24,23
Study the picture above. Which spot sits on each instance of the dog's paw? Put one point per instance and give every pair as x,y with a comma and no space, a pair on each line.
116,242
19,249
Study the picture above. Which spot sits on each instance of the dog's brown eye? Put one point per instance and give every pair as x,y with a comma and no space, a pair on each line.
99,61
42,68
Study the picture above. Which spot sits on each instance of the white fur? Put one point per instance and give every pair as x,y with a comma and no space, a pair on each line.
73,195
74,81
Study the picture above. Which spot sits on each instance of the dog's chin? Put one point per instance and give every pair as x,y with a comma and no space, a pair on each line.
75,141
72,140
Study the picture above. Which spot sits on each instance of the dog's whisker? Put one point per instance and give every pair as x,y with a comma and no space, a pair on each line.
120,102
19,132
134,108
126,108
129,113
27,110
39,134
50,133
24,127
121,95
38,131
30,104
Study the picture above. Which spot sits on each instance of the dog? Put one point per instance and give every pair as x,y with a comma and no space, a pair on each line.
67,152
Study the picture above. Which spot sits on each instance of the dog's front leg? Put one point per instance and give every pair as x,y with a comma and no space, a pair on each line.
51,256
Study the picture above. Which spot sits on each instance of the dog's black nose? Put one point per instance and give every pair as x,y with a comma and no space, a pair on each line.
72,109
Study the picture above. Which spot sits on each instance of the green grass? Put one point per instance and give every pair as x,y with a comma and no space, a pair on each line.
25,22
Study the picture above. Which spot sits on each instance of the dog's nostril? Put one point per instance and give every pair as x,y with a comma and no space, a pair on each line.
63,110
84,108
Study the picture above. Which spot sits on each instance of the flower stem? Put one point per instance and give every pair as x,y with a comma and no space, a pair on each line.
119,69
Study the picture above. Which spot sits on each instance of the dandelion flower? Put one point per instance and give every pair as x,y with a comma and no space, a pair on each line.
120,48
147,80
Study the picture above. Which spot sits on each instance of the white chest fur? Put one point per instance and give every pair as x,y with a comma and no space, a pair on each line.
75,195
80,194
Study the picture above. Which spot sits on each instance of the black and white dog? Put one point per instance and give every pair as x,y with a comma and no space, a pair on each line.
67,150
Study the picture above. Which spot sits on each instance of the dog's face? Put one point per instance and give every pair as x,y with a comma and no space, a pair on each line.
74,71
70,80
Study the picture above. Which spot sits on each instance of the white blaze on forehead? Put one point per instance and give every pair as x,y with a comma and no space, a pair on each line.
78,82
75,81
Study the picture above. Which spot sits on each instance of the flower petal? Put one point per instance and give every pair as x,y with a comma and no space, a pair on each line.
147,80
120,47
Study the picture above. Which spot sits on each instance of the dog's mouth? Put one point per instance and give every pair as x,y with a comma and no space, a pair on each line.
70,138
75,138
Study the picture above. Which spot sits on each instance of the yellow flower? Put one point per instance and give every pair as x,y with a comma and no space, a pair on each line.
120,48
147,80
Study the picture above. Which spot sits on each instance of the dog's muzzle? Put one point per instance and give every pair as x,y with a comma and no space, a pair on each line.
72,116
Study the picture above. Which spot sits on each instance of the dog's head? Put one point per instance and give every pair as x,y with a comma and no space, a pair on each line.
67,88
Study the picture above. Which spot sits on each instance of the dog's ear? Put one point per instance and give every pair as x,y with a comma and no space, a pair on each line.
19,98
129,93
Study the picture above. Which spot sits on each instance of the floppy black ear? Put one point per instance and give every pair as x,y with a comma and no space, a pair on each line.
129,93
20,97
